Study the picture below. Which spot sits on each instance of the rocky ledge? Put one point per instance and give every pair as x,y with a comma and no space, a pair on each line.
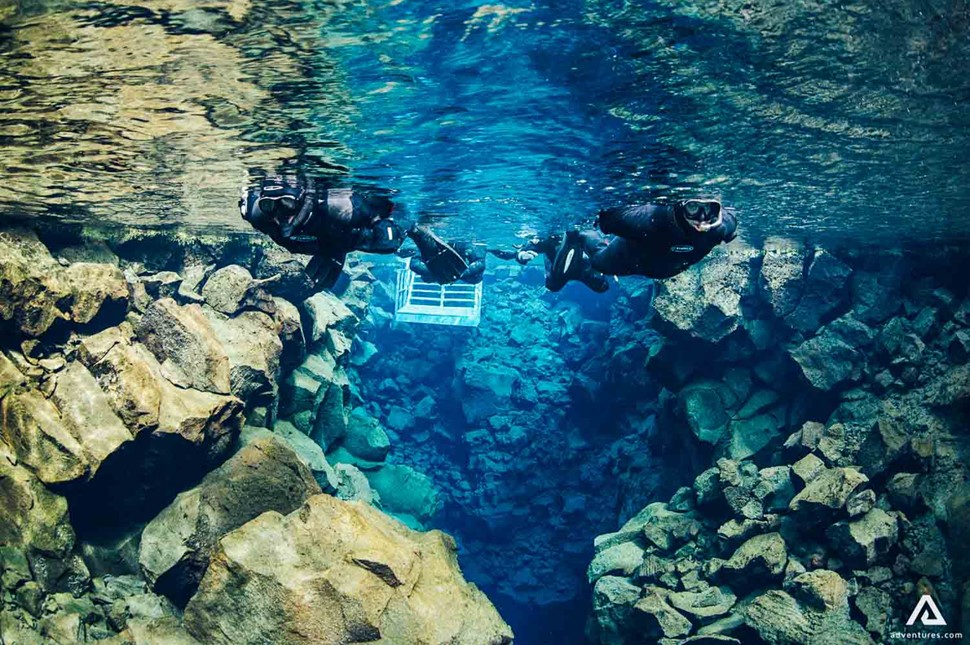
824,400
164,414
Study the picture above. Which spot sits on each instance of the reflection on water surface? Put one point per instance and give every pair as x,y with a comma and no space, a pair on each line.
845,122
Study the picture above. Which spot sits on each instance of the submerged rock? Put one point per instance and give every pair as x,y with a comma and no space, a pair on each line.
705,301
36,292
232,288
758,561
860,542
826,493
186,345
655,619
336,571
331,323
406,493
175,546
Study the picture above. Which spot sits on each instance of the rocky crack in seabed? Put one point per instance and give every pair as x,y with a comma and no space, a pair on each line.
163,418
535,426
829,397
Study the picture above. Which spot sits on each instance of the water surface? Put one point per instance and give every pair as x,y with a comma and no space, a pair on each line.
838,121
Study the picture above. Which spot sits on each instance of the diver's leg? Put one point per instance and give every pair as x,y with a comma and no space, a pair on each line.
618,258
569,257
324,269
421,269
384,237
441,258
554,281
595,281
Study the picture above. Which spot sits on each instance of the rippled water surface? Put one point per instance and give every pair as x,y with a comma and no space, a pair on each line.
842,121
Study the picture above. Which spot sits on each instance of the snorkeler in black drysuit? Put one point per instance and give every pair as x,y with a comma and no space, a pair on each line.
660,241
444,263
566,256
327,223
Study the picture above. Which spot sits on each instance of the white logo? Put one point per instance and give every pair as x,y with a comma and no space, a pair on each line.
684,248
927,612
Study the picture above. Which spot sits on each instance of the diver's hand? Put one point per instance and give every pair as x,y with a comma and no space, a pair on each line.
524,257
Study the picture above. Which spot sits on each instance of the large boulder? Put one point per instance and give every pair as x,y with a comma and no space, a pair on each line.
822,292
88,414
707,407
331,323
95,289
778,618
30,291
32,431
826,494
406,493
365,438
32,519
821,589
654,618
232,289
705,605
337,572
613,601
36,292
782,274
186,345
306,449
760,560
284,273
862,541
176,545
827,361
704,302
619,559
251,342
485,388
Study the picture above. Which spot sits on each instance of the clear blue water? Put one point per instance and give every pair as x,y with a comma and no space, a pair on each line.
844,122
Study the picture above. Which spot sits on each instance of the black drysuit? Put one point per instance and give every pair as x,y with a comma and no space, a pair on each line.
656,241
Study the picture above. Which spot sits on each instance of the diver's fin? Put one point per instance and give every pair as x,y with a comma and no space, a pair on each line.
568,262
444,262
325,270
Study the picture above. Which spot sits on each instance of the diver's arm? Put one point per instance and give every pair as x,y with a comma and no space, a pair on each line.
504,254
633,222
730,226
303,246
474,272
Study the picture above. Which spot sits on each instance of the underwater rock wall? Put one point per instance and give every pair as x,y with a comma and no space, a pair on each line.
829,397
533,427
164,409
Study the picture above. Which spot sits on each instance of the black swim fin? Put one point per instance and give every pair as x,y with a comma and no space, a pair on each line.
325,270
444,262
569,260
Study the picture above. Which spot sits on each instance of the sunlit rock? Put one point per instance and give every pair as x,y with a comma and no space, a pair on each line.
251,343
826,494
176,545
332,323
336,571
704,302
232,289
757,562
656,619
186,345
